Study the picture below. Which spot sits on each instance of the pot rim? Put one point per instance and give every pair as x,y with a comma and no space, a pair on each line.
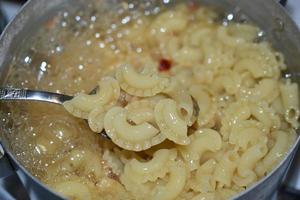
14,27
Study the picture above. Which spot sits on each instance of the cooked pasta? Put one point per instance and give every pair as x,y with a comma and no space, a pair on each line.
195,109
170,122
290,99
107,93
201,141
141,85
142,172
225,169
131,137
183,99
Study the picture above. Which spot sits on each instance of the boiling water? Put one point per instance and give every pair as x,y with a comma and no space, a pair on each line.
69,54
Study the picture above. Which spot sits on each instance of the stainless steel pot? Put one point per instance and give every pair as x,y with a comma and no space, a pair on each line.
280,29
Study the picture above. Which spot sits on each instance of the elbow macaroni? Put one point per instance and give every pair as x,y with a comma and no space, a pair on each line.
202,141
82,104
290,99
131,137
225,168
142,172
141,85
209,127
170,122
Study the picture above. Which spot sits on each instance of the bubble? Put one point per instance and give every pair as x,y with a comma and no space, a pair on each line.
77,18
113,26
63,24
156,10
119,35
113,47
147,12
125,20
93,18
97,35
43,66
230,17
80,67
27,60
101,45
88,42
139,50
59,49
109,39
65,14
130,5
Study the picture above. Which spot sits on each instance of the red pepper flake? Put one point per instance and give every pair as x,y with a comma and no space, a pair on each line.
192,6
164,65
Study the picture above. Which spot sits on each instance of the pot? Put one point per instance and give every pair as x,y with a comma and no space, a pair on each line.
281,31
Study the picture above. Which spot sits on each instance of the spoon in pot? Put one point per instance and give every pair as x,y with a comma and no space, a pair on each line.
10,94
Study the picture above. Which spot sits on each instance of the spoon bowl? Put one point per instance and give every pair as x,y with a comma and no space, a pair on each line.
16,94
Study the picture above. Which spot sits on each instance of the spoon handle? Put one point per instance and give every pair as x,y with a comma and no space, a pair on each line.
8,94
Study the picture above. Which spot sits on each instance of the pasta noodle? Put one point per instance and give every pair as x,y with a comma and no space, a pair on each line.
227,80
140,111
142,85
206,104
201,141
195,109
177,176
130,137
142,172
175,184
96,119
204,181
266,90
170,123
236,34
234,114
245,169
256,69
183,100
290,99
266,115
81,105
247,133
225,168
204,196
74,189
274,155
112,159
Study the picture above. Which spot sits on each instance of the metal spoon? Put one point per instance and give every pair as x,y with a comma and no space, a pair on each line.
33,95
36,95
50,97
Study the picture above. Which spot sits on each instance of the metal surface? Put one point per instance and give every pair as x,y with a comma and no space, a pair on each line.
283,2
9,94
2,19
291,182
11,185
280,29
